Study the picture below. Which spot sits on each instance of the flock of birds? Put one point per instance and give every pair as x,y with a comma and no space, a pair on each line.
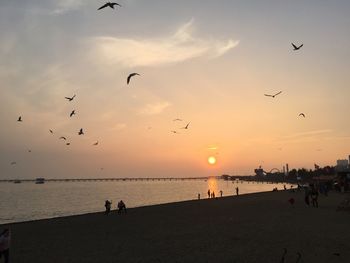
73,112
130,76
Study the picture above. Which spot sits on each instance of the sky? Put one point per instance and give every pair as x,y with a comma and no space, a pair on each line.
208,63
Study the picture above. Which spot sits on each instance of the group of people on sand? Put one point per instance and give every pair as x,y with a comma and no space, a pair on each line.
121,207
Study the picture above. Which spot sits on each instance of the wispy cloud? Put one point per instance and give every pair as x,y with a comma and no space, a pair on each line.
178,47
63,6
308,134
155,108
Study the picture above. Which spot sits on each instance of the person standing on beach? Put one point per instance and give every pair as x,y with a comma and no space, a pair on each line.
208,193
314,196
221,193
5,238
108,206
199,196
237,191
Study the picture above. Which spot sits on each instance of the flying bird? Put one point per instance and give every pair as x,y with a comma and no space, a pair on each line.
302,114
12,163
297,48
72,113
177,119
51,131
70,99
81,132
68,143
130,76
96,143
186,127
64,138
19,118
274,95
111,5
175,132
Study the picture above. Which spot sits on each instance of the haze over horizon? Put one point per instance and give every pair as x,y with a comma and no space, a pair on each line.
208,63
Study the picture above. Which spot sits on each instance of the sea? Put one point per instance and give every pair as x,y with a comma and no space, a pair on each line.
28,201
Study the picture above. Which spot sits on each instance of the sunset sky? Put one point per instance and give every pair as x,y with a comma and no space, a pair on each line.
206,62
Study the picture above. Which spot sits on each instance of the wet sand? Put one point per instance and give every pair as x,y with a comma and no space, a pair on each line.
247,228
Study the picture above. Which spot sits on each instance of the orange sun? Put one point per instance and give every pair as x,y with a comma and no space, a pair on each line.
212,160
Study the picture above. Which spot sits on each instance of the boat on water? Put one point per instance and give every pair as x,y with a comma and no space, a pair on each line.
17,181
40,180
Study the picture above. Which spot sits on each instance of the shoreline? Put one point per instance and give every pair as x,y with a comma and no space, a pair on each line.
129,208
248,228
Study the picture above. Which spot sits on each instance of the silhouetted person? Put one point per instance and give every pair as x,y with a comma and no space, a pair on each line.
121,207
237,191
213,194
221,193
108,206
5,238
314,197
208,193
307,195
284,186
199,196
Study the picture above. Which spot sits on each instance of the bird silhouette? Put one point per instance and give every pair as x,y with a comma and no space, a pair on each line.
130,76
51,131
96,143
283,255
111,5
186,127
274,95
12,163
297,48
175,132
72,113
19,118
302,114
81,132
70,98
177,119
63,138
68,143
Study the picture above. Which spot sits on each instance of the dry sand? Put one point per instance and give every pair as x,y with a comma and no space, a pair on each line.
248,228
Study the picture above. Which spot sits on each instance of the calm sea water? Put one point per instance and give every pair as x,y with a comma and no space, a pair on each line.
29,201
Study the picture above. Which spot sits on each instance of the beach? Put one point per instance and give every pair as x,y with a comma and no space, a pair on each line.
246,228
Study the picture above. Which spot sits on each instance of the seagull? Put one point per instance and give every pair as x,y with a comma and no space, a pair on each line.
95,143
283,255
70,99
175,132
19,118
177,120
130,76
302,114
68,143
51,131
186,127
81,132
268,95
111,5
12,163
72,113
297,48
64,138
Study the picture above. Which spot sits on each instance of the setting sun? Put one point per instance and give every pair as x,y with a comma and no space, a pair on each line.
211,160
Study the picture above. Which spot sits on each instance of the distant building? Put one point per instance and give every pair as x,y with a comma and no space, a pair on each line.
342,164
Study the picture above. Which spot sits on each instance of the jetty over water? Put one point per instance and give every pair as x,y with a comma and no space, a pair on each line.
129,179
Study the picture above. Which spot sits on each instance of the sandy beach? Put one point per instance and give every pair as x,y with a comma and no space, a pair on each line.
247,228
